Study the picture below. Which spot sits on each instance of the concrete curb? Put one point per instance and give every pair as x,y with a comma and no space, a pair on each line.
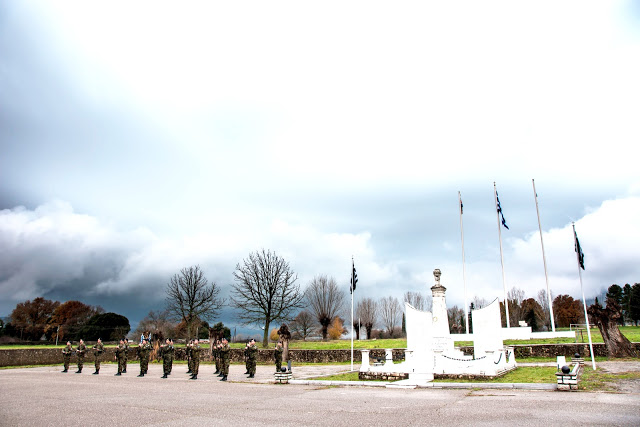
510,386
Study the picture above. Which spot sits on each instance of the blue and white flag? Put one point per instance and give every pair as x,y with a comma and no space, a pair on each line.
504,222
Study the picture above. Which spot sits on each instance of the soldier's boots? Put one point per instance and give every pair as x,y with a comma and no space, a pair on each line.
189,371
118,374
164,376
79,371
141,374
250,376
224,378
194,377
124,371
221,374
65,371
216,372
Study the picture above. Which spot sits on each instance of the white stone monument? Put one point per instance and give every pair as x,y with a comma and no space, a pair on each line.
430,346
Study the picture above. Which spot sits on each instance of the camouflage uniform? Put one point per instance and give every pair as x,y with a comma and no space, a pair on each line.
80,353
66,356
195,358
277,356
98,349
121,357
246,358
167,359
216,358
252,352
143,352
125,357
224,354
187,352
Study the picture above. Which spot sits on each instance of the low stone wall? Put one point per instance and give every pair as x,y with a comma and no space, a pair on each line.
45,356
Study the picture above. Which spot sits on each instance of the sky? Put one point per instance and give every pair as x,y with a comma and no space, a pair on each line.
138,139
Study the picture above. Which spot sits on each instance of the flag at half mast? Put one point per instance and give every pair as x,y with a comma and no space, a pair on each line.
504,222
579,251
354,277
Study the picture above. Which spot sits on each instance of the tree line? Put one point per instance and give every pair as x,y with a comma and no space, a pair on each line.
33,320
265,291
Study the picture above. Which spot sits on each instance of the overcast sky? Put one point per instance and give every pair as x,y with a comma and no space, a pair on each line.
140,138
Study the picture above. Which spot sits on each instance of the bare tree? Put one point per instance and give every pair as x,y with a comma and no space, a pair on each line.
456,319
190,299
302,325
326,300
479,302
367,312
418,300
265,290
390,310
515,297
156,321
543,300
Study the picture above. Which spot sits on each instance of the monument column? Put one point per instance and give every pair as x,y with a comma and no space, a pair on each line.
439,309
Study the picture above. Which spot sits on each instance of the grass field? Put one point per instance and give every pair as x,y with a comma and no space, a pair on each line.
590,380
528,374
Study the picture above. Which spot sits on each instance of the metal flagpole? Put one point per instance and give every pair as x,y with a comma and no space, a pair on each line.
544,260
464,274
504,281
584,301
352,313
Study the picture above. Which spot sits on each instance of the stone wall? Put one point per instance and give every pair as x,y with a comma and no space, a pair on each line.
45,356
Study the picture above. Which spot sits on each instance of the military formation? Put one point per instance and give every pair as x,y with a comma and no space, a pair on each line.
220,352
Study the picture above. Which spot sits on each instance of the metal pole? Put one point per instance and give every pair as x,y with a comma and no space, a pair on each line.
464,274
504,281
544,260
584,301
352,329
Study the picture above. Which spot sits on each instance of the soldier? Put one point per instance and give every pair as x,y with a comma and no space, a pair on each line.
224,354
120,350
216,356
172,355
246,357
167,357
187,352
144,351
66,356
80,353
277,355
126,355
98,349
252,352
195,357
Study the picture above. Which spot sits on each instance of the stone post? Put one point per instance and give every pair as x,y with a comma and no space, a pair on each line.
364,367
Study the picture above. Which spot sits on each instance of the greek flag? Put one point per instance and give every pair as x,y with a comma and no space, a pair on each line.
504,222
354,277
579,251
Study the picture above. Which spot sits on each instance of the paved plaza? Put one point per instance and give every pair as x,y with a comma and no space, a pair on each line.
45,397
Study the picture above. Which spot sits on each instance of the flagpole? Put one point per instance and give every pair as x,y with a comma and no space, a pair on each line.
352,291
584,301
464,275
544,260
504,281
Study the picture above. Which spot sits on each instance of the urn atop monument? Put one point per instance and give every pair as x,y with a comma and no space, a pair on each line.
437,274
437,289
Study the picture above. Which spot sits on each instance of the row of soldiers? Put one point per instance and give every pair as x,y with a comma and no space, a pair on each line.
221,355
220,349
80,351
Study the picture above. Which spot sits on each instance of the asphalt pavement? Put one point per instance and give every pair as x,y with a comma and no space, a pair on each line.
45,397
